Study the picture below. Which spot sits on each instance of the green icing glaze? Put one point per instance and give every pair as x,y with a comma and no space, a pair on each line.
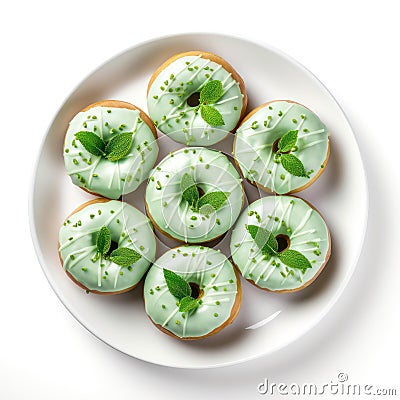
129,228
255,139
167,101
205,267
285,215
96,173
212,171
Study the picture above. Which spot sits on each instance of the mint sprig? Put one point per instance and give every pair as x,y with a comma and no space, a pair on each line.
288,141
212,201
211,115
206,204
267,243
210,94
293,165
115,149
118,147
92,143
289,161
264,239
180,289
123,256
189,189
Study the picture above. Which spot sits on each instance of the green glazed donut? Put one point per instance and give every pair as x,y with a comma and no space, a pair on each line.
214,286
211,172
257,140
175,103
96,173
103,273
297,227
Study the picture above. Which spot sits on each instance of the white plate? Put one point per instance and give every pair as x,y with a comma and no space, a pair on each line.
267,321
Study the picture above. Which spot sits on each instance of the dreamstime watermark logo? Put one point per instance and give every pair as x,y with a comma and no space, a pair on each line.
340,386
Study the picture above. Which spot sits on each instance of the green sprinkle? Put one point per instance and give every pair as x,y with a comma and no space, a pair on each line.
215,315
84,269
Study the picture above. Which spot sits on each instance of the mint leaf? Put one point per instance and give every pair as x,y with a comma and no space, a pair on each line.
103,240
211,92
211,202
189,189
124,256
177,285
118,147
91,142
287,141
211,115
293,165
264,239
294,259
206,209
188,303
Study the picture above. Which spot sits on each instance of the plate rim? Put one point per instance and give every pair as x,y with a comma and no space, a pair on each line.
252,41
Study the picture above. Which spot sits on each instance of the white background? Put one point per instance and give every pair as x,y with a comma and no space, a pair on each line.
47,48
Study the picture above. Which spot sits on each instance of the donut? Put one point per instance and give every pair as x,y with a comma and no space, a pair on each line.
194,195
196,98
110,148
192,292
281,147
280,243
106,246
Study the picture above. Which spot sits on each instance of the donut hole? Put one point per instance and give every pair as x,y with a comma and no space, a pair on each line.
197,293
275,147
283,242
113,246
200,190
193,100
